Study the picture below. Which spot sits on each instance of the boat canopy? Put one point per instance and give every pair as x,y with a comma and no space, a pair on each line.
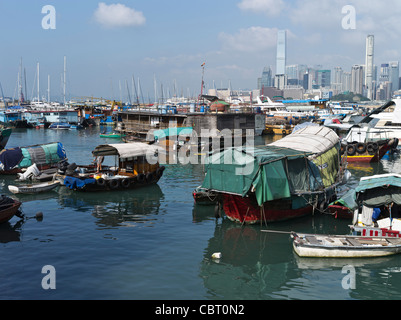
373,191
126,150
314,139
24,157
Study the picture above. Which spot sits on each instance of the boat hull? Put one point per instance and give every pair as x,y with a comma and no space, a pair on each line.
325,246
245,210
8,213
32,189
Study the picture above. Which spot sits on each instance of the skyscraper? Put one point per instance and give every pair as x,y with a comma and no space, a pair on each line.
357,79
281,52
394,75
370,43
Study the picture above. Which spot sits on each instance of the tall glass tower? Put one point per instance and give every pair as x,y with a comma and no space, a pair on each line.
370,46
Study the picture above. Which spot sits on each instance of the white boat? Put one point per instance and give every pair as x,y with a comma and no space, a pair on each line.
344,246
34,188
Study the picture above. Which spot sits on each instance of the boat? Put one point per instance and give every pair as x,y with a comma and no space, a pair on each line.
112,135
374,206
344,246
138,166
34,188
45,156
204,197
4,137
286,179
60,125
366,144
8,208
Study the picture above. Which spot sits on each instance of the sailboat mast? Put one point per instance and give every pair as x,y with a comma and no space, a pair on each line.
65,71
48,88
38,81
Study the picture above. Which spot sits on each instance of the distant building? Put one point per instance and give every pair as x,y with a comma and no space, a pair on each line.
357,79
394,75
370,42
323,78
266,80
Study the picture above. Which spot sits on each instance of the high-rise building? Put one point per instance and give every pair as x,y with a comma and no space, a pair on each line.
357,79
370,44
384,73
281,58
323,78
266,80
394,75
337,84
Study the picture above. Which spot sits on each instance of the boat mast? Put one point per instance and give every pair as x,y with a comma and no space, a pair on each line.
203,84
48,88
65,71
38,80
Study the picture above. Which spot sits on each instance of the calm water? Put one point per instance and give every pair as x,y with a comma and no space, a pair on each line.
155,244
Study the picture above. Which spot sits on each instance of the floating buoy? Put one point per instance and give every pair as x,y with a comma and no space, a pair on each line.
216,255
39,215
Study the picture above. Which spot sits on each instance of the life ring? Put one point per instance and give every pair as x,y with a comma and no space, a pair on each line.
360,147
114,183
150,177
351,150
159,172
372,147
125,183
141,178
101,182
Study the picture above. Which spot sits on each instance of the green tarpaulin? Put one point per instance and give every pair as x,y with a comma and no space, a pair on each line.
272,172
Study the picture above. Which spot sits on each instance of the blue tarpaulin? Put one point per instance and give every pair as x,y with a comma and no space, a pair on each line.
76,183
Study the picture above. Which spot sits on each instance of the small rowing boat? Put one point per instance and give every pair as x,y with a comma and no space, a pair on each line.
34,188
344,246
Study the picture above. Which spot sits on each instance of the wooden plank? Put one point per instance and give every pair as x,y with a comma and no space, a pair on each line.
354,242
313,240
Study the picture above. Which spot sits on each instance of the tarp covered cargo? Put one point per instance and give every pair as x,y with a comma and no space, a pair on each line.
126,150
275,171
23,157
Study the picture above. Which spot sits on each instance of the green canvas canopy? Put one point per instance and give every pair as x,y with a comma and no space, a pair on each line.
379,190
277,171
272,172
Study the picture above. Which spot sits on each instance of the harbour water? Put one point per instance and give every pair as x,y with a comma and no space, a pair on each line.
155,244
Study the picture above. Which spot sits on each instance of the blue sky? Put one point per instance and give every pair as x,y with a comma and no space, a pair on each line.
107,42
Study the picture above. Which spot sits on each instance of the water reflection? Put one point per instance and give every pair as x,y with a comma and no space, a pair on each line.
11,231
115,209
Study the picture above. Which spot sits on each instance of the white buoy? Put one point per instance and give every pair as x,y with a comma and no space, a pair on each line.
216,255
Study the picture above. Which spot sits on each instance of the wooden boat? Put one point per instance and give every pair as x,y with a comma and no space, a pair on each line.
34,188
366,144
112,135
283,180
60,125
45,156
8,208
344,246
204,197
134,169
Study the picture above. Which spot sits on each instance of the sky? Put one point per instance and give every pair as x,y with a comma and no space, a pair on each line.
108,43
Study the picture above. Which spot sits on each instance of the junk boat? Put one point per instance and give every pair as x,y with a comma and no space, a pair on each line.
137,166
286,179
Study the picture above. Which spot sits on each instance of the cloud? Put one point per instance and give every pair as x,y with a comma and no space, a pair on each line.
268,7
118,15
252,39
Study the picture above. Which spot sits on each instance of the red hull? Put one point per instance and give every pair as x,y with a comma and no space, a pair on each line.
244,210
340,212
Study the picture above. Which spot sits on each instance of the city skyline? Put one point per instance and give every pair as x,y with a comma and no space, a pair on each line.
108,43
